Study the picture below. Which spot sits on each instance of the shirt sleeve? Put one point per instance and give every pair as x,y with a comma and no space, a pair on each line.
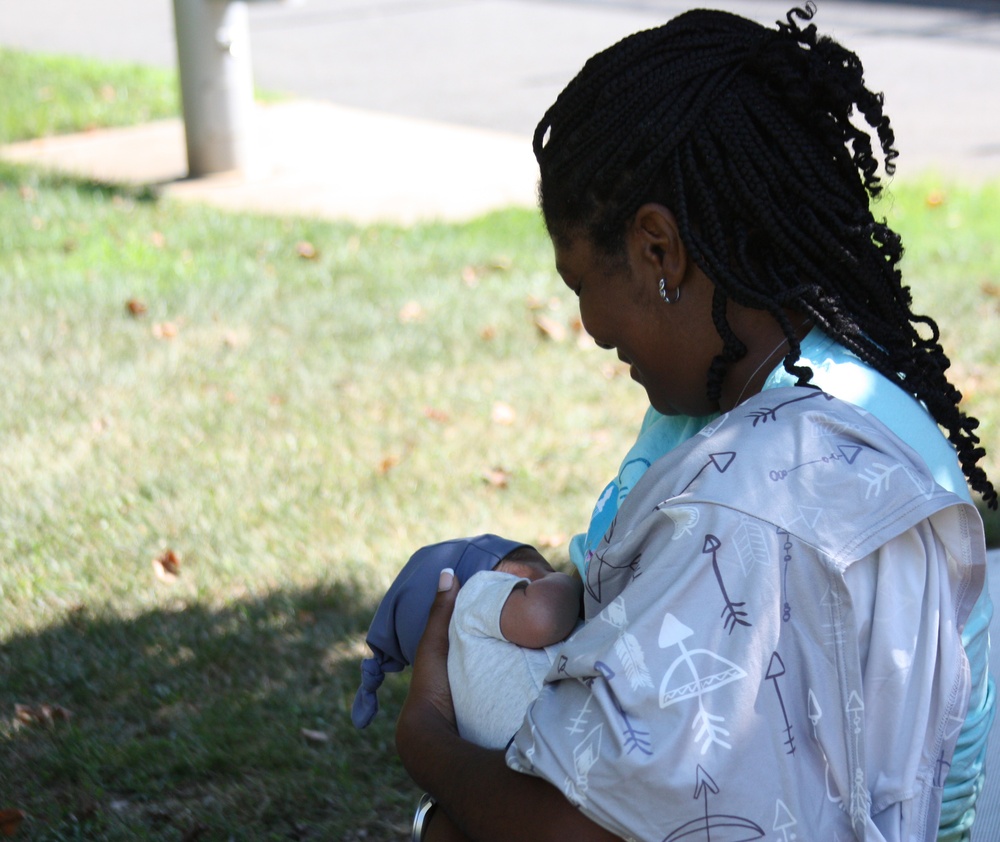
480,603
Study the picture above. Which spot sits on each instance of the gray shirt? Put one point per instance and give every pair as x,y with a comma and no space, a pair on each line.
773,638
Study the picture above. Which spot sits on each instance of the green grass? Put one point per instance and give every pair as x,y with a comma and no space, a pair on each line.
292,427
45,95
294,440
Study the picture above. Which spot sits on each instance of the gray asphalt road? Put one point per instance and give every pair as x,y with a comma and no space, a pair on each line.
497,64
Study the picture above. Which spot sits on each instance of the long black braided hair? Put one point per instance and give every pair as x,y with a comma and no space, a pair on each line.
746,133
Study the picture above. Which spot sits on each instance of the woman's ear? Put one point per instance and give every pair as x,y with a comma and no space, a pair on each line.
656,244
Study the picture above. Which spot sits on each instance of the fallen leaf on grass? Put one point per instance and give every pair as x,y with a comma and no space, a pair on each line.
472,273
41,714
438,415
990,290
167,567
411,312
10,821
306,250
317,737
488,333
503,414
533,303
165,330
135,307
497,477
550,328
388,463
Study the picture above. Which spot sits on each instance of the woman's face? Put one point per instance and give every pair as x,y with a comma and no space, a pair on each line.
668,347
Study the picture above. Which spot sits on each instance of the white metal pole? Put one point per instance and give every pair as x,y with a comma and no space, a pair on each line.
213,57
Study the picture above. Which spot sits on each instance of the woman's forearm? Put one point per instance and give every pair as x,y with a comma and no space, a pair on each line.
481,796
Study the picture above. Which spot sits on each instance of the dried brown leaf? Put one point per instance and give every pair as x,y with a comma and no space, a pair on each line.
550,328
497,477
411,312
438,415
167,567
43,714
387,463
165,330
135,307
488,333
10,821
306,250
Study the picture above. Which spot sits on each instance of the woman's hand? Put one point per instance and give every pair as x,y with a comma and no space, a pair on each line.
428,708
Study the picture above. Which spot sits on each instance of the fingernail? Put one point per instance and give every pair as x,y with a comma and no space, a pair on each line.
446,578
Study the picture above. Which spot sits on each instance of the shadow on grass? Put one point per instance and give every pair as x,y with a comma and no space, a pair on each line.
192,724
16,174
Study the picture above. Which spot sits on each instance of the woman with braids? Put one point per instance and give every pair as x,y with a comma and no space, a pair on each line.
784,594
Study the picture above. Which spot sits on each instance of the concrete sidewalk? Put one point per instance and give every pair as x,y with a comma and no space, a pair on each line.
318,159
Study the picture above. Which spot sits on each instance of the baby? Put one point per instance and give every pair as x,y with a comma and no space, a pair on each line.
511,611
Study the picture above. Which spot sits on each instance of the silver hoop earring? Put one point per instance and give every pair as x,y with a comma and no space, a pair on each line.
663,293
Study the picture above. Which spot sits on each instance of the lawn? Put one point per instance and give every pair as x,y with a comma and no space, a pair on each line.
221,435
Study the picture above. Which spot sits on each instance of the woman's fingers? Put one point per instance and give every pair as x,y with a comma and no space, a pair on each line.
428,705
430,666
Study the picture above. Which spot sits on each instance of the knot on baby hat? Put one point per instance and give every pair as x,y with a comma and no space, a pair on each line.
402,614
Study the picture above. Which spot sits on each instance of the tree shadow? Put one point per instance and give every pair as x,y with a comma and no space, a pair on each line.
198,723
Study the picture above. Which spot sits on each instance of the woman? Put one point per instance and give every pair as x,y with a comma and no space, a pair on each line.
786,612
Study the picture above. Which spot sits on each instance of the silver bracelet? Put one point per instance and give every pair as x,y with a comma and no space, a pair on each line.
422,818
